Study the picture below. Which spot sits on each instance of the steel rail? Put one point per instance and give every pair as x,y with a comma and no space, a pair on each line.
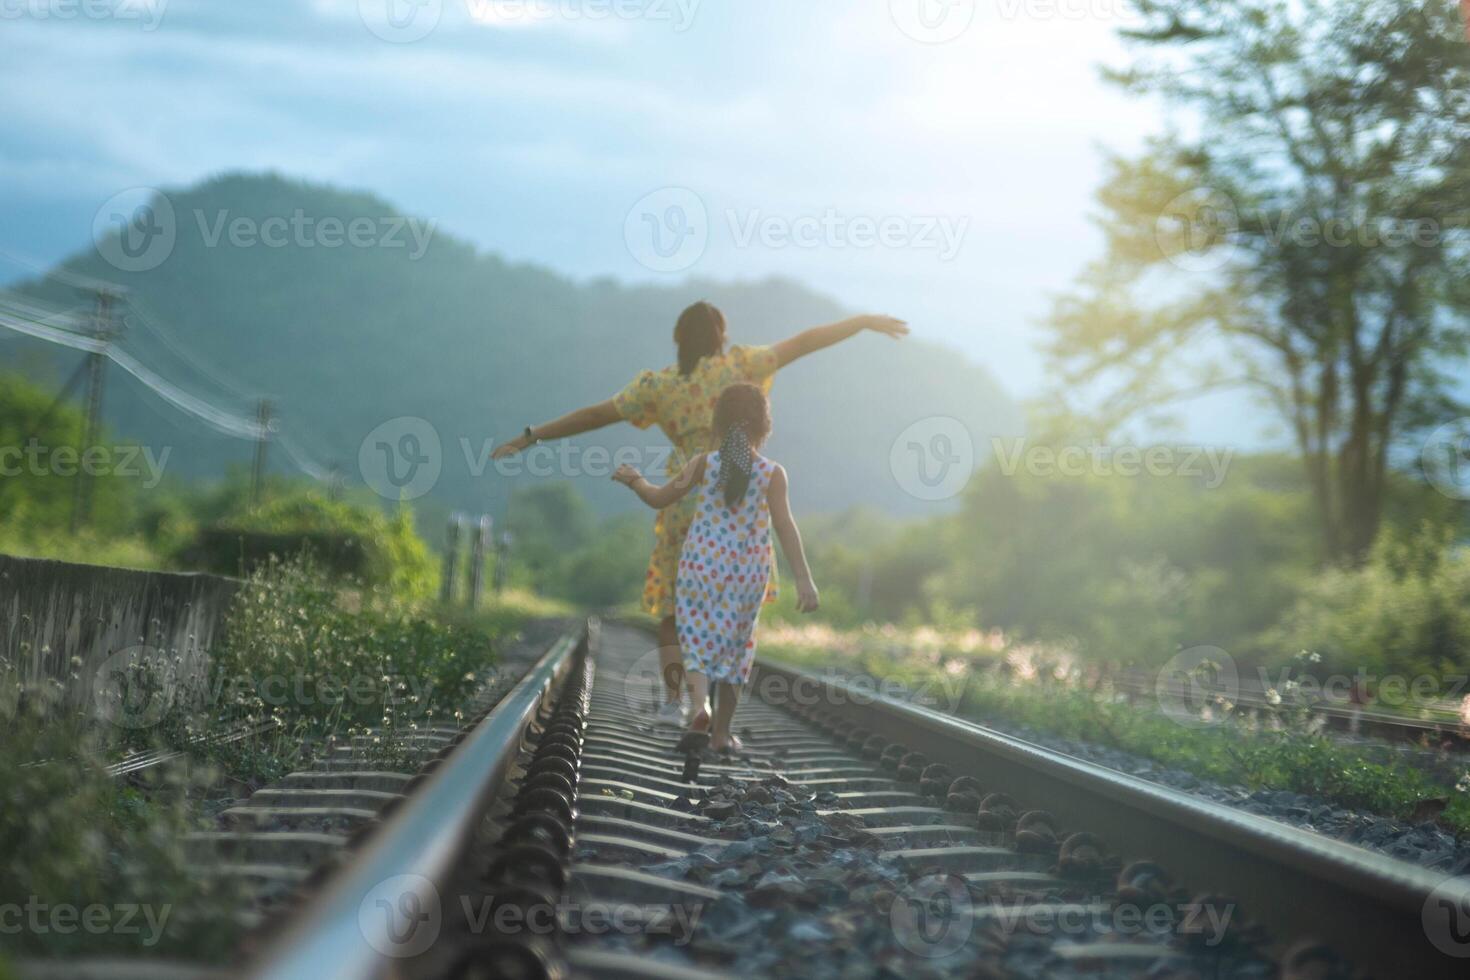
1368,906
423,838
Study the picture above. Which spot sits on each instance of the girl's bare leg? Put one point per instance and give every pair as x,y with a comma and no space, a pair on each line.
726,701
670,662
699,720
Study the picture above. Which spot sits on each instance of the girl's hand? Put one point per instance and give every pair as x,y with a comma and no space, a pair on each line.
886,325
627,475
807,600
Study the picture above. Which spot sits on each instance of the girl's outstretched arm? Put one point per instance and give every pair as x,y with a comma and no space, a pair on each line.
807,599
571,424
818,338
670,493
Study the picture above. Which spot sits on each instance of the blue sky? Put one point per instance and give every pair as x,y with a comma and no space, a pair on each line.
534,128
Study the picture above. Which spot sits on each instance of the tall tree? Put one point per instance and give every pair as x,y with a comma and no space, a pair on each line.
1306,239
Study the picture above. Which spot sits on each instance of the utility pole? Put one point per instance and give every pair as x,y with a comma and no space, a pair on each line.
262,440
477,559
451,559
105,326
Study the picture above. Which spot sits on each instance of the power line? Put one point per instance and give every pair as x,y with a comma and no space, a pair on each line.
34,321
62,275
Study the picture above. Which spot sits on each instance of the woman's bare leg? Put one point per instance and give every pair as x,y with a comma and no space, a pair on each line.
670,661
726,700
699,718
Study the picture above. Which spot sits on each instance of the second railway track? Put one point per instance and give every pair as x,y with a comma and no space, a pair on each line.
854,837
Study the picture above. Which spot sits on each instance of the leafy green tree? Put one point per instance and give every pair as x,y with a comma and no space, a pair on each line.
1317,213
39,436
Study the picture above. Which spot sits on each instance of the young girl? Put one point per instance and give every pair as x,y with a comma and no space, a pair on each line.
727,557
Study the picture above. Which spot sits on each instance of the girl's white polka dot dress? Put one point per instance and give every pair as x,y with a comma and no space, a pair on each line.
723,571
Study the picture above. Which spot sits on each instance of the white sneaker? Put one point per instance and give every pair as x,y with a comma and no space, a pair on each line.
671,713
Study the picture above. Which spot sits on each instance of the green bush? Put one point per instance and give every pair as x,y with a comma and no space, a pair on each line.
392,553
71,834
296,653
1406,610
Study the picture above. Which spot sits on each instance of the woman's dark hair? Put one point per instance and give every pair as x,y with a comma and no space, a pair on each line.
699,333
742,422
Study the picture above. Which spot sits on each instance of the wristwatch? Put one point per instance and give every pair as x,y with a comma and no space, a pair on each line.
529,437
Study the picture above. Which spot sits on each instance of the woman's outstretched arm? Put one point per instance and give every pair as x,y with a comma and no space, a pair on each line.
817,338
571,424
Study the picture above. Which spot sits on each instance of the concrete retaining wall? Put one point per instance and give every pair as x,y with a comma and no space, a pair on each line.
76,625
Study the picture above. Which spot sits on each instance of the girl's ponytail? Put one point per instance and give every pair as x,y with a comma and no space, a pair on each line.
742,422
735,464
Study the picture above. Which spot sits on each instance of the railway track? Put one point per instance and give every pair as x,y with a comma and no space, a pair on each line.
566,835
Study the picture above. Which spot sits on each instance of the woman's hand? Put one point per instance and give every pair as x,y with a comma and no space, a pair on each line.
807,600
886,325
627,475
510,447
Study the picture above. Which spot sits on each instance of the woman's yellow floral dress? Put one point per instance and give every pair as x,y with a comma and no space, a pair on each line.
684,408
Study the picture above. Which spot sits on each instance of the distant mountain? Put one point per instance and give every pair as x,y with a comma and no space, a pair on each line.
347,337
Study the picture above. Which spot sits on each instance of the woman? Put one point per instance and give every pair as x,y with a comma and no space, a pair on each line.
680,400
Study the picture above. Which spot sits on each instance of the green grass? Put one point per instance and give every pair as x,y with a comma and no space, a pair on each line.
1278,752
347,662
